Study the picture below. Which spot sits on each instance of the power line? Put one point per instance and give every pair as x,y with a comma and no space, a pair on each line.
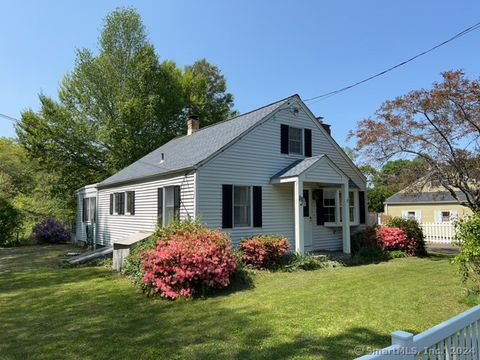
335,92
9,118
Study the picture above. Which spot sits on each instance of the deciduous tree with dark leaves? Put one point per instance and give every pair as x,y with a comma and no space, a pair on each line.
440,126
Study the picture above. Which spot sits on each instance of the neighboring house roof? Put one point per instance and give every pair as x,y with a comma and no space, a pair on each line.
403,197
188,151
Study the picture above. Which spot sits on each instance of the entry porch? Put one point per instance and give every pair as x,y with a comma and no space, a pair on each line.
323,196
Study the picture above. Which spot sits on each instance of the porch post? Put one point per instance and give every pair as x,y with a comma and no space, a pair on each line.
346,218
297,193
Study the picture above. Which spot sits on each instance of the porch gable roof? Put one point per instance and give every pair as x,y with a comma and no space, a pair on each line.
302,166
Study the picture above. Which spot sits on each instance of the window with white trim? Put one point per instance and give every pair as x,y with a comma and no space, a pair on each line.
130,202
89,205
411,214
446,216
242,206
295,141
119,203
351,210
330,205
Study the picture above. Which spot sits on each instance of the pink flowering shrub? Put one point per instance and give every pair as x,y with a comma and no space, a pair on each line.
185,263
394,238
263,251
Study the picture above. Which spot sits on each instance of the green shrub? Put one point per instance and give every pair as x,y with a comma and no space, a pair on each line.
369,255
307,262
397,254
10,221
365,238
412,230
468,259
133,262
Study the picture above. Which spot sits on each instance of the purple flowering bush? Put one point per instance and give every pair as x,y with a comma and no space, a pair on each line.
50,231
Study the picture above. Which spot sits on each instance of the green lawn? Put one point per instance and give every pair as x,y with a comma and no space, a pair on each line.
91,313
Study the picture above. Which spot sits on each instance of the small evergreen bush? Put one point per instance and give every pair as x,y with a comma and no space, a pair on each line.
369,255
365,238
308,262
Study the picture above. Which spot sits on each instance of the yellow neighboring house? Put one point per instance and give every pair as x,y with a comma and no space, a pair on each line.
431,205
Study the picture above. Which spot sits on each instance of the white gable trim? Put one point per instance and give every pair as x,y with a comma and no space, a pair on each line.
331,139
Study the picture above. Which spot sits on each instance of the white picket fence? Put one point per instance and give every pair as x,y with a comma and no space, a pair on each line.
443,233
454,339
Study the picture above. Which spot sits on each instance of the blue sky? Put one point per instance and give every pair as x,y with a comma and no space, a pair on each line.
266,49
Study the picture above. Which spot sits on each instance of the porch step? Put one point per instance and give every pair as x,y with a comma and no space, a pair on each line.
91,255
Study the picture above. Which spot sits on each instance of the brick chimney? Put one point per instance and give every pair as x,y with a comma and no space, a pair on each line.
193,124
325,126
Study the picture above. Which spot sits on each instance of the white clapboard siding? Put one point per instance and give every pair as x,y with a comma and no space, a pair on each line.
253,160
457,338
115,227
80,226
439,232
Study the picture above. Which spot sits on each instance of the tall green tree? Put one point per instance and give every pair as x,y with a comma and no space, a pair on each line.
206,93
118,105
393,176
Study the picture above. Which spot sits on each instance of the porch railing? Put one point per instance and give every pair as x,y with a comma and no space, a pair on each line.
457,338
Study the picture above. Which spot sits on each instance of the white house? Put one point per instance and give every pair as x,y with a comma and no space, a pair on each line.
274,170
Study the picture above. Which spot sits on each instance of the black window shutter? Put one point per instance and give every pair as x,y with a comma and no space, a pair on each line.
308,142
111,204
84,208
132,197
284,139
160,206
320,208
306,208
227,206
176,202
257,206
361,204
121,210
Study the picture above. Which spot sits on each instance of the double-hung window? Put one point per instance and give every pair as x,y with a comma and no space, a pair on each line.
119,203
333,207
168,204
295,141
329,204
446,216
351,207
130,202
242,206
88,214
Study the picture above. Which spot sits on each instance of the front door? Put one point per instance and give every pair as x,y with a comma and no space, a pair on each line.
307,219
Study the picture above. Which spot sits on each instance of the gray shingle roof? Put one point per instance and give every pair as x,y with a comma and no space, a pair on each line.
423,197
301,165
188,151
297,167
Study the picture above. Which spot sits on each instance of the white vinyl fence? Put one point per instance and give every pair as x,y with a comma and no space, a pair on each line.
444,233
457,338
